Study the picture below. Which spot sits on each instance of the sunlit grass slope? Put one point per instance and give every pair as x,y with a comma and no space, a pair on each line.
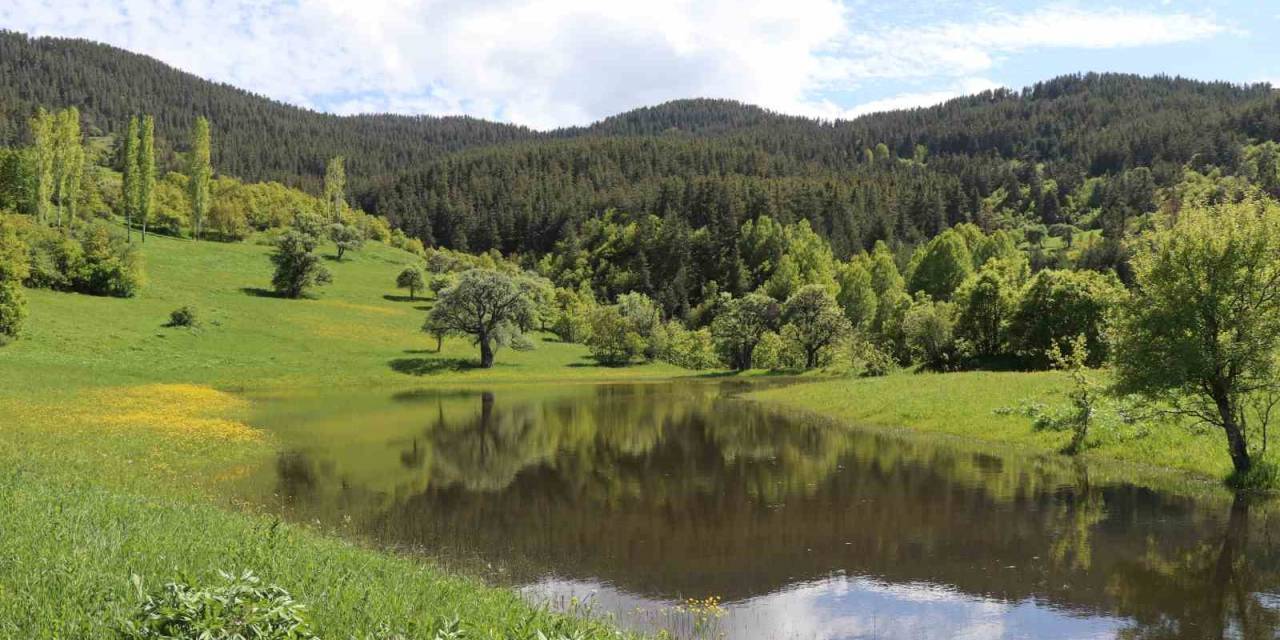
114,428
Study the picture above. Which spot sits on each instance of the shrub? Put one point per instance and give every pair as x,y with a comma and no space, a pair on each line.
240,608
612,340
184,316
691,349
96,259
298,268
13,311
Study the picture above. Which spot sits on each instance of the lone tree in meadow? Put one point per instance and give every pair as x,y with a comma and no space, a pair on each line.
298,268
347,237
411,279
1200,332
485,304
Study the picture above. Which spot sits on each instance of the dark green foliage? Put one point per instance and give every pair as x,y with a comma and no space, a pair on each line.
740,325
1057,306
95,259
240,608
411,279
298,268
13,269
184,316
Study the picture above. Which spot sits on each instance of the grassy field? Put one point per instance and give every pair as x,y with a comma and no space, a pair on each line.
114,430
976,405
114,427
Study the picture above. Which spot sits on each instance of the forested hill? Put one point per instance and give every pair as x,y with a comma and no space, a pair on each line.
1062,151
255,138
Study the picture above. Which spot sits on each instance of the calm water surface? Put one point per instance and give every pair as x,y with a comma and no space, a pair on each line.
634,498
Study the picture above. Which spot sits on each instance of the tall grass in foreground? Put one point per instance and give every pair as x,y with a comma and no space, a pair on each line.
70,551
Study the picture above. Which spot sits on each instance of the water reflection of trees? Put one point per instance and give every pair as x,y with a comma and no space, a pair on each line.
686,493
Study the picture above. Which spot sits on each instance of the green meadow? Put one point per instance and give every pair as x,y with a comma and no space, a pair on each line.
117,429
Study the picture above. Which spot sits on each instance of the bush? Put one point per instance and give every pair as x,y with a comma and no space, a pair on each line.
1263,476
612,340
96,259
240,608
184,316
13,311
687,348
1057,306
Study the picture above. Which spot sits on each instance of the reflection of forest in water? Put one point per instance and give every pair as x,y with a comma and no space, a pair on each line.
670,492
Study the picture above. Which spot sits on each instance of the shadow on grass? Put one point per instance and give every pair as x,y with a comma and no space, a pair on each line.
259,292
394,298
430,366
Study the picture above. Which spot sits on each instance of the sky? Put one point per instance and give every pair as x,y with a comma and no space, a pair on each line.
553,63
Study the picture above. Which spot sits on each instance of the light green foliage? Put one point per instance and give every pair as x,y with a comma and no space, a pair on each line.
487,305
775,352
814,323
644,319
411,279
130,182
297,267
884,270
995,246
1057,306
240,607
783,259
44,134
199,170
13,270
929,330
942,266
171,212
146,172
1201,329
335,187
891,313
68,163
691,349
572,312
738,327
613,340
857,297
1084,393
1262,165
346,237
986,302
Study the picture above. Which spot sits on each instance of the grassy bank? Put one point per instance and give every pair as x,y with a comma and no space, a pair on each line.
114,431
976,405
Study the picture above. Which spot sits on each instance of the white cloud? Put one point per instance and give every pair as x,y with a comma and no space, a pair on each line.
558,62
912,100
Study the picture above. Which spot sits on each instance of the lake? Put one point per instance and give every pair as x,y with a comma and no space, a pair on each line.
632,500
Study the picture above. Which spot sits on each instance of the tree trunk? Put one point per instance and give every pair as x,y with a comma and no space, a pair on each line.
1237,445
486,352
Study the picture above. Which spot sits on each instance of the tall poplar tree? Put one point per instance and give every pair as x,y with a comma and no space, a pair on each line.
129,186
43,133
146,171
68,162
335,183
200,170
